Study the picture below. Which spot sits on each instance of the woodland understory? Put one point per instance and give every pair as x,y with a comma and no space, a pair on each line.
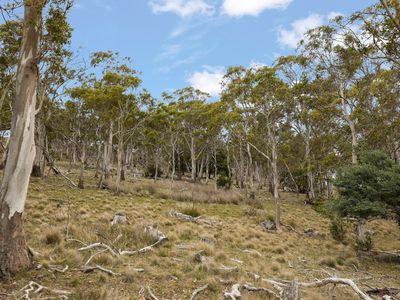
226,246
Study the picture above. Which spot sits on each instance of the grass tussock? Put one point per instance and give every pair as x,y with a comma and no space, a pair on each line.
179,191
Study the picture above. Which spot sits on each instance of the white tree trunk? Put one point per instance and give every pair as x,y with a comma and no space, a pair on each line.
193,157
14,253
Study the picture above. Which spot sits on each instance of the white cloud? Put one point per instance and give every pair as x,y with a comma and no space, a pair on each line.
183,8
208,80
238,8
169,51
290,38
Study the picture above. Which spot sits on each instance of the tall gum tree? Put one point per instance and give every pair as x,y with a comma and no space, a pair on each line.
14,252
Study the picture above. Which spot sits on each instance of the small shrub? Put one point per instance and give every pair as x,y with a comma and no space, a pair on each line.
328,261
53,237
270,218
250,211
224,182
338,229
192,211
364,245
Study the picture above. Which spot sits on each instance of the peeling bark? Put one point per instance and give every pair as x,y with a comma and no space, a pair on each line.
14,253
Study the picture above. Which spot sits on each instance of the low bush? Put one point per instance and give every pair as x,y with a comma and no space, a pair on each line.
338,229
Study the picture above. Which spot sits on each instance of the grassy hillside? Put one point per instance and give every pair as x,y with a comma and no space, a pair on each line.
231,248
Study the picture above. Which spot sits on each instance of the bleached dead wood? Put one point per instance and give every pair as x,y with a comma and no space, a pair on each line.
99,245
94,255
151,295
187,218
234,294
119,218
284,286
58,172
334,280
197,291
145,249
36,288
291,291
251,288
57,269
153,232
87,269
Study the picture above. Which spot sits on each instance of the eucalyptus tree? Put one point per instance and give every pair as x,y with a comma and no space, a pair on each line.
312,110
236,94
192,112
261,98
270,101
335,58
14,253
55,69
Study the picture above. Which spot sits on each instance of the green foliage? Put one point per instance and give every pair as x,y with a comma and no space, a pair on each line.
224,182
364,245
337,229
150,171
192,211
370,188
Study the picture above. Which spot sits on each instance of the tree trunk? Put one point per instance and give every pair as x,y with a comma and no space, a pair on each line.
173,142
354,142
82,171
350,122
39,162
251,173
108,151
361,230
193,157
215,169
200,174
207,166
14,253
241,166
275,180
120,150
310,175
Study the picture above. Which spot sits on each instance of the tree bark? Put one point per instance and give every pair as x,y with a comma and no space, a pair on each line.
120,150
361,230
82,171
310,175
14,253
193,157
39,162
251,173
275,179
108,151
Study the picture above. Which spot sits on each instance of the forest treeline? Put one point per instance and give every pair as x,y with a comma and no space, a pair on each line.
288,126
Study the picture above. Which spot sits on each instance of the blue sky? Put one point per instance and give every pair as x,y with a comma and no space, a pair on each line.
177,43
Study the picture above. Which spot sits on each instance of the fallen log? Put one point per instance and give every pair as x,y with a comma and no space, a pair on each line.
234,294
197,291
87,269
187,218
382,256
151,231
290,290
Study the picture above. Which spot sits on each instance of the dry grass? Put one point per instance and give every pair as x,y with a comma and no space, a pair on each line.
171,270
179,191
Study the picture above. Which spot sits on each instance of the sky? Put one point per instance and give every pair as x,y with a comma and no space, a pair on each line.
179,43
